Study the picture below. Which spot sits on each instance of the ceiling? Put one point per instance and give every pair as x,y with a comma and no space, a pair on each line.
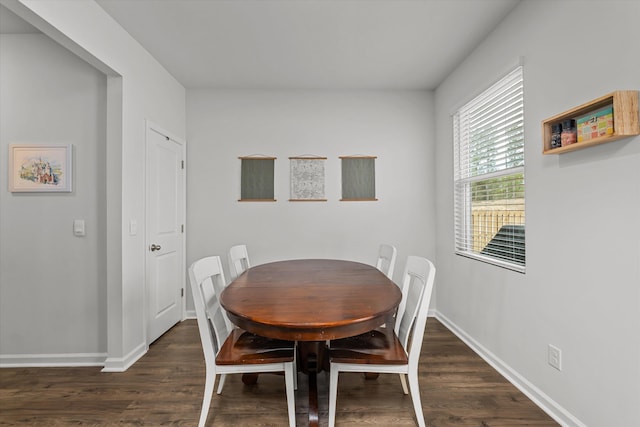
308,44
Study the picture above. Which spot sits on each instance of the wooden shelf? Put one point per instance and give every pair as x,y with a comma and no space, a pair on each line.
626,121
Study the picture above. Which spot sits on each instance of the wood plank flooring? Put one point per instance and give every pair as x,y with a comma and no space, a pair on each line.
165,388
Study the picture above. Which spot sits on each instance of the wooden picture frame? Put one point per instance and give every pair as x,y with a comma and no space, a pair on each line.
40,168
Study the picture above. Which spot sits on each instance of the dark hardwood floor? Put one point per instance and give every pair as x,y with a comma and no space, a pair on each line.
165,388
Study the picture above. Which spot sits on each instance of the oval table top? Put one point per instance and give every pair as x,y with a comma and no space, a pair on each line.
311,299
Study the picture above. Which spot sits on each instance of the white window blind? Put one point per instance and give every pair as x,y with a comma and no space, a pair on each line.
489,174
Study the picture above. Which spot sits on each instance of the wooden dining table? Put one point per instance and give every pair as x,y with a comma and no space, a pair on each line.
311,301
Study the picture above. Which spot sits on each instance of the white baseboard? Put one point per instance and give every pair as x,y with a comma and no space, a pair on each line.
121,364
113,364
51,360
73,360
548,405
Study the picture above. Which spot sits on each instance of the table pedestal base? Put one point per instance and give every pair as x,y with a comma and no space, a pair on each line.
250,379
312,359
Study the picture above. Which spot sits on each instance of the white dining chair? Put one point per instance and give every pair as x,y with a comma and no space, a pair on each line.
387,259
238,258
234,351
381,350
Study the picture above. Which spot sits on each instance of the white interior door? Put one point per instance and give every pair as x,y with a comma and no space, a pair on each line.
165,231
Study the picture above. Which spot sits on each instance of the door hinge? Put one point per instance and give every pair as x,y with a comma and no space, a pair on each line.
182,164
182,228
181,292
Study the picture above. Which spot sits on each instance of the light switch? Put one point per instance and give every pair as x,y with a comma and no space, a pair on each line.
133,227
78,227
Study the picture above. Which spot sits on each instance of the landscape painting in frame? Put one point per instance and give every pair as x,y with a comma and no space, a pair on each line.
40,168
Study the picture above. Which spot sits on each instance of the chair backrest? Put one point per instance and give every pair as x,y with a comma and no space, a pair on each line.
387,259
411,319
207,282
238,260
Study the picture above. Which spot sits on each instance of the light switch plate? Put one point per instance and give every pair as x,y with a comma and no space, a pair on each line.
78,227
133,227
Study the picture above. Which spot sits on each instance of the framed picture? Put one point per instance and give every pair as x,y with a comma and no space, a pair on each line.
358,178
257,179
307,179
40,168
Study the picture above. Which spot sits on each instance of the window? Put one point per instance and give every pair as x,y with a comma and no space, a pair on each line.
489,192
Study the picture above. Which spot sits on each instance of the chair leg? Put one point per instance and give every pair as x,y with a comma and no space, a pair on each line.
415,397
210,380
289,373
403,381
223,377
295,366
333,394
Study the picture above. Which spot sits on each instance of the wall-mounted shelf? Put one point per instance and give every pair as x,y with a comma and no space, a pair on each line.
626,120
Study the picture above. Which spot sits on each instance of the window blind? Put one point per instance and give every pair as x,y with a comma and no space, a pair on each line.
489,214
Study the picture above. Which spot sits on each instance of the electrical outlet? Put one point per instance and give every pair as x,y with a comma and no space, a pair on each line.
554,357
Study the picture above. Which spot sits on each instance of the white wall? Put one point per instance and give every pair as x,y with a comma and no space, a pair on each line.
395,126
138,88
52,287
581,290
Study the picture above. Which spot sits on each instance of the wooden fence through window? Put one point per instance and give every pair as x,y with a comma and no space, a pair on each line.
488,217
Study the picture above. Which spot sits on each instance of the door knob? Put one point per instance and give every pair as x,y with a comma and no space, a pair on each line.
155,247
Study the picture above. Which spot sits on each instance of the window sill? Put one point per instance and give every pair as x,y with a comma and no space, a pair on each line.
489,260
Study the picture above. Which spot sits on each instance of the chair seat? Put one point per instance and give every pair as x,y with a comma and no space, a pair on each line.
378,347
245,348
